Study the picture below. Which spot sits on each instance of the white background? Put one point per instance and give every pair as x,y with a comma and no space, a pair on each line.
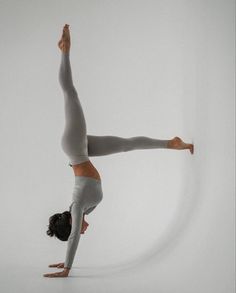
154,68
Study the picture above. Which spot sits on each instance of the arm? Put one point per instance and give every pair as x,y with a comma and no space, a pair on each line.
73,240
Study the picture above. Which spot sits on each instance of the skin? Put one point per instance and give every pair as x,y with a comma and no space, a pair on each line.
84,225
83,169
65,272
177,144
87,168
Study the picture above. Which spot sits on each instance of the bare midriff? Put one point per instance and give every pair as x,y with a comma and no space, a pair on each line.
86,169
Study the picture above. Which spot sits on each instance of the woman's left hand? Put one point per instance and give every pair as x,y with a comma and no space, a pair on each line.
62,274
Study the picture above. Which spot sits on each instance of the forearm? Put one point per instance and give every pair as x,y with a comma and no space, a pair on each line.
71,250
73,240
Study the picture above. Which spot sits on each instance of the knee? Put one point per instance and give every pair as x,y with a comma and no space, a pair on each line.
67,87
127,144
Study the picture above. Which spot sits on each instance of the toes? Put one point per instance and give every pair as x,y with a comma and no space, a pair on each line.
66,29
191,148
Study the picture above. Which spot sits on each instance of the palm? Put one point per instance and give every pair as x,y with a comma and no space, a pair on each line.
61,274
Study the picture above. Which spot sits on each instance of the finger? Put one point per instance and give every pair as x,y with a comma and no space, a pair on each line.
47,275
58,275
50,275
54,265
55,275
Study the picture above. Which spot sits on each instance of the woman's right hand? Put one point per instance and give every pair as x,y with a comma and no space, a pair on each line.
57,265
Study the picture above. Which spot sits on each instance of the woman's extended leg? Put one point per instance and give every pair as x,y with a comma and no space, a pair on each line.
107,145
74,139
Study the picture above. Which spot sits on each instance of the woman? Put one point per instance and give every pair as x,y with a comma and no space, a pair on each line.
87,193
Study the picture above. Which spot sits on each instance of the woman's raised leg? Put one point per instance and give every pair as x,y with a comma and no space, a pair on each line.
107,145
74,139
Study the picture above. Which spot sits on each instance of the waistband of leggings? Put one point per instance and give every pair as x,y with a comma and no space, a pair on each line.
78,160
79,179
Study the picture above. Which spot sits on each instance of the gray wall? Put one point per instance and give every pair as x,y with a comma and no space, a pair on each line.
153,68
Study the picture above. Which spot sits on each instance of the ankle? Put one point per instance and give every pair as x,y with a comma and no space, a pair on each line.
170,144
64,46
65,51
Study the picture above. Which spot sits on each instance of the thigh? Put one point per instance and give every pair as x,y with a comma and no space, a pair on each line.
74,137
74,115
107,145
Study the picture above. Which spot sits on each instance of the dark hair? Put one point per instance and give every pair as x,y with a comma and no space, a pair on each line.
59,226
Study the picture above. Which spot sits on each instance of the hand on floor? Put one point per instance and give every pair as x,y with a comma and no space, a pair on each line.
62,274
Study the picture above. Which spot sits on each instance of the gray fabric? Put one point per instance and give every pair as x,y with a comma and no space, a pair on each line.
79,146
74,139
108,144
87,194
76,143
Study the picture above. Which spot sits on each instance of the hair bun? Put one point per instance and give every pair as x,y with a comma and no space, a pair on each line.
60,226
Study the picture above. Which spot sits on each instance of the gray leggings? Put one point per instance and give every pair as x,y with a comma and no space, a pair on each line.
75,142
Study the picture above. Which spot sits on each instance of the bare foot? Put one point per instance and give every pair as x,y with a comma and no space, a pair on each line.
64,43
177,144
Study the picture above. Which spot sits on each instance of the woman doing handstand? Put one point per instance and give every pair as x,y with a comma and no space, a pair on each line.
79,146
